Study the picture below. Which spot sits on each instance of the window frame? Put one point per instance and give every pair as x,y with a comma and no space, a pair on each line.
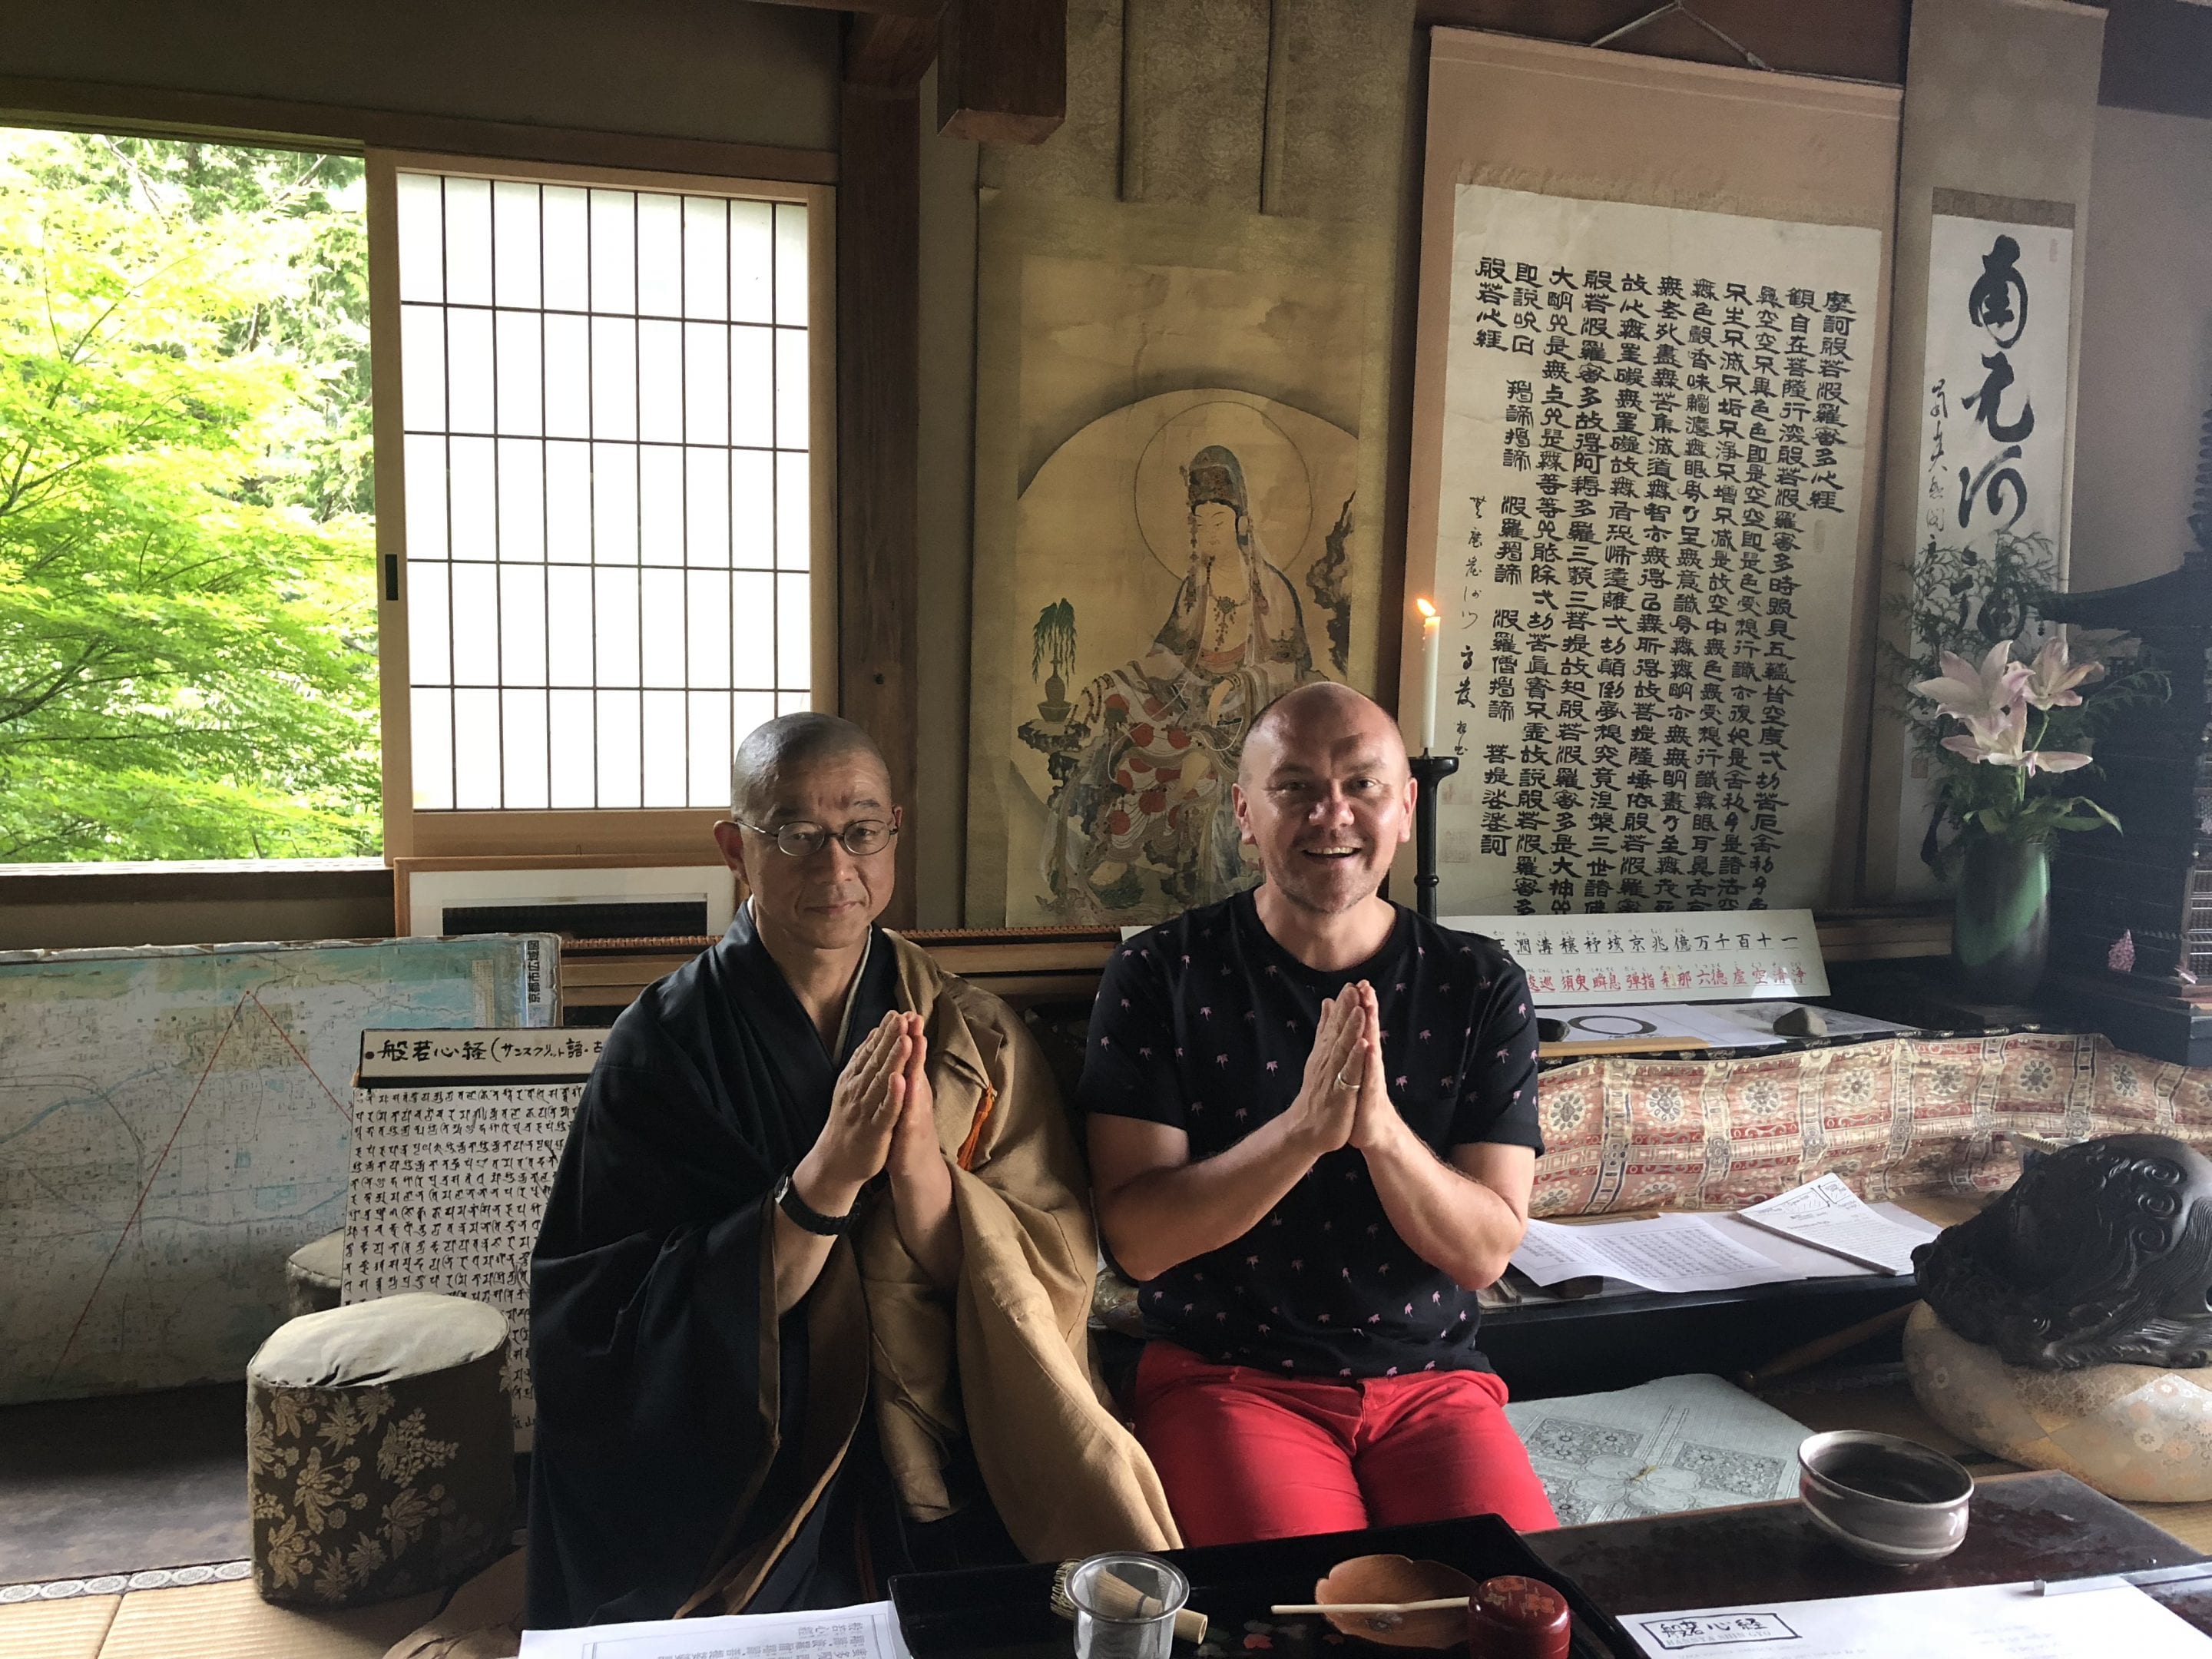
648,835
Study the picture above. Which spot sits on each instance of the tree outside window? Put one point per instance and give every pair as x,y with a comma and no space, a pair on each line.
187,601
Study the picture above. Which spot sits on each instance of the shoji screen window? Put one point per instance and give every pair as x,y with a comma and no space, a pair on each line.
603,563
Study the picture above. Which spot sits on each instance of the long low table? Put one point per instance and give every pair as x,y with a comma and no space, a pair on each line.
2034,1525
2023,1527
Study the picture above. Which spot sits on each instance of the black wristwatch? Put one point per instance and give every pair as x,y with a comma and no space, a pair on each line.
804,1215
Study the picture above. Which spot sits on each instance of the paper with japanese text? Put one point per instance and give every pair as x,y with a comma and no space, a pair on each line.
1828,1215
1984,1621
869,1630
1654,463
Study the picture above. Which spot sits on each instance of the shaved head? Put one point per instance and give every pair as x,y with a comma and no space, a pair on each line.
1297,713
1324,796
774,752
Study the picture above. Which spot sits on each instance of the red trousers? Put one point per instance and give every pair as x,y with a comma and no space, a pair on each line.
1244,1455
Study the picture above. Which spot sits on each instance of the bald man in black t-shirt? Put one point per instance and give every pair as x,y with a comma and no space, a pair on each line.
1313,1138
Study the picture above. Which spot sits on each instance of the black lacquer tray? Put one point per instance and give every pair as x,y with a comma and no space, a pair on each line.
1006,1612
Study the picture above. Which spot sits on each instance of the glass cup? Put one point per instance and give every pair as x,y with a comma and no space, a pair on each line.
1125,1605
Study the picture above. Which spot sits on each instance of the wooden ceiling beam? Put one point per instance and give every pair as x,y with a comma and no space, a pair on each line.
1002,70
874,7
891,52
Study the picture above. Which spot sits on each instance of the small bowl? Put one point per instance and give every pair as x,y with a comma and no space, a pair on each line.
1884,1497
1397,1578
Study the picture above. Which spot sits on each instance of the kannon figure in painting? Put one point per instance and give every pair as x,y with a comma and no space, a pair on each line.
1142,816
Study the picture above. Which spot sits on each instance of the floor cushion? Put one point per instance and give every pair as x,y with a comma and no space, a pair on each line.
313,1272
380,1449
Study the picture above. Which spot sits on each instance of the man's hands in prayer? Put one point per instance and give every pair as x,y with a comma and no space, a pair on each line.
1157,1208
1339,1067
1377,1124
913,1136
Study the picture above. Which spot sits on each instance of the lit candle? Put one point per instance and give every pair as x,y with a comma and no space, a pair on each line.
1432,626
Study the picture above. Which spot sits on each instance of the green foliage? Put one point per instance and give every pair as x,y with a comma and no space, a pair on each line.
187,602
1965,601
1053,640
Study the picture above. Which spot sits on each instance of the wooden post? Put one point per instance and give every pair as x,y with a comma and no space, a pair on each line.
879,393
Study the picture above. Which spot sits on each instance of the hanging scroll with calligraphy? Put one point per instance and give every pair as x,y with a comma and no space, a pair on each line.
1993,428
1654,452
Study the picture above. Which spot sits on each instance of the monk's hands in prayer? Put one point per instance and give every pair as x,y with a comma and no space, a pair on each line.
921,1181
1327,1108
915,1135
852,1149
864,1109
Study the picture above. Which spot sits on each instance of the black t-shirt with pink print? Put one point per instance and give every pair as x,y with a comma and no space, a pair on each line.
1205,1024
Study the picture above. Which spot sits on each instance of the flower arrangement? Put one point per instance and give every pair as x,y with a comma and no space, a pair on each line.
2003,720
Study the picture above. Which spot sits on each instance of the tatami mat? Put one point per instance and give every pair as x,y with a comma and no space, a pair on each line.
56,1630
231,1621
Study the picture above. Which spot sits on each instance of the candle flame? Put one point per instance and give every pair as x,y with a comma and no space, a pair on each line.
1428,611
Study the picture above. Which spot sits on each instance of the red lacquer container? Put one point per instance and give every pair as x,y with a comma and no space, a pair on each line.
1516,1618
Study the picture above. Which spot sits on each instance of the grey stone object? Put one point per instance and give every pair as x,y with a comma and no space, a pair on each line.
2099,1254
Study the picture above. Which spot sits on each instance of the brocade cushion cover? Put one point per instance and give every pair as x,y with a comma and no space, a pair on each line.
380,1449
1892,1117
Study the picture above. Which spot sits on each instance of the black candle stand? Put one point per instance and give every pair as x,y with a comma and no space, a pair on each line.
1429,771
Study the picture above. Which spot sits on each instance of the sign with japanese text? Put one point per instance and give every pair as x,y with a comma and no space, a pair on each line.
1993,424
1704,956
511,1056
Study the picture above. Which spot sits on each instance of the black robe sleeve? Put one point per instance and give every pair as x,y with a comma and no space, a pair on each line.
654,1346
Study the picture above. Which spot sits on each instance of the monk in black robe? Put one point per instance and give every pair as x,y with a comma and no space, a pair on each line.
812,1172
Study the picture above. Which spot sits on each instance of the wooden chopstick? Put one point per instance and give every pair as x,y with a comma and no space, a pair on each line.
1436,1606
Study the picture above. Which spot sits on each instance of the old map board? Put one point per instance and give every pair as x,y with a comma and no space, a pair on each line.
174,1124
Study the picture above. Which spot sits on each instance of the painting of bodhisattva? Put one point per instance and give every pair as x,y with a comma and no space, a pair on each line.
1140,823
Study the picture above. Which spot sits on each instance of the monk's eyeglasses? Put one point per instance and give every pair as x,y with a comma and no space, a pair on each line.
861,837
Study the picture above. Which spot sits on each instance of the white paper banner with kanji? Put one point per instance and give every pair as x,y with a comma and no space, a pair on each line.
1654,452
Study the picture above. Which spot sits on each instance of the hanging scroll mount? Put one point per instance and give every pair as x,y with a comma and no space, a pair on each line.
1671,8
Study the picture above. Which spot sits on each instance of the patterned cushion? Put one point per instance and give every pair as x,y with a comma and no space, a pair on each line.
1891,1117
379,1449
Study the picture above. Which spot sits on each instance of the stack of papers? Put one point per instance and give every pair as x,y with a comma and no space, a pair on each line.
869,1631
1827,1214
1819,1230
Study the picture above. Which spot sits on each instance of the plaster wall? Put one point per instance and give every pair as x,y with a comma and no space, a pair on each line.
2146,374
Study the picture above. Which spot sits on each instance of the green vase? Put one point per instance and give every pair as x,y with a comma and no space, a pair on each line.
2001,930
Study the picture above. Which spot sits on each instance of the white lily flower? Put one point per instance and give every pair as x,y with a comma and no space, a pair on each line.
1970,694
2003,742
2052,679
